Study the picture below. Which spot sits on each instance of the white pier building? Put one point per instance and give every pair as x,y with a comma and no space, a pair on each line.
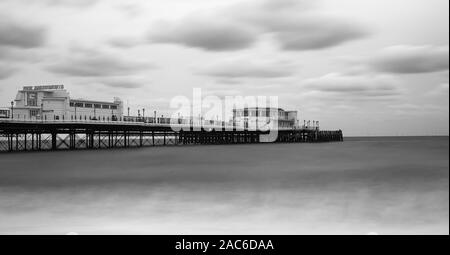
53,102
253,117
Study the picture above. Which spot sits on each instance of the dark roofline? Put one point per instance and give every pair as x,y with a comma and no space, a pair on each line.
254,108
91,101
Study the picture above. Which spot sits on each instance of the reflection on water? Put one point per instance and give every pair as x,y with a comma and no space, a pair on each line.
364,185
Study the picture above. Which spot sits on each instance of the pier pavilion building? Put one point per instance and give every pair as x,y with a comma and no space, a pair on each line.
53,102
258,117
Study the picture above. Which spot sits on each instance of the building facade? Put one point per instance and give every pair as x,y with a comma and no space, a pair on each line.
260,118
53,102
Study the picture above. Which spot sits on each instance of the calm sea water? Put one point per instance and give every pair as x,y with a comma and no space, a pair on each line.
385,185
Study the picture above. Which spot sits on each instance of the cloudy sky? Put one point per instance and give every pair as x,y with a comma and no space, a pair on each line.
371,67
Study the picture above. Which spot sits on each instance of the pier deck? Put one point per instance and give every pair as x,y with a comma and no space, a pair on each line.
66,135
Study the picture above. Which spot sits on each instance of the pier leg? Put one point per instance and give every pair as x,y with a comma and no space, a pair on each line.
91,140
25,142
10,147
17,142
153,138
100,139
54,136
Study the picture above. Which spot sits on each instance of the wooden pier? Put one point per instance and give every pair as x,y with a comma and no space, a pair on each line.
42,136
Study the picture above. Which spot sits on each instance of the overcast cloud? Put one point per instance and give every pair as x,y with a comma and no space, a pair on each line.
239,26
244,68
412,59
18,35
87,63
331,60
371,86
6,71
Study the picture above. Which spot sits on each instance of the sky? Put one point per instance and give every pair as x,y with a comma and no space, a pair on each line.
368,67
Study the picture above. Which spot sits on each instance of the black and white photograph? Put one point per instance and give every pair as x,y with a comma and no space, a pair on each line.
224,117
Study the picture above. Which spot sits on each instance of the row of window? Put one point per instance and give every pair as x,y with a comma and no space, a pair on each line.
102,118
247,113
260,113
284,124
89,105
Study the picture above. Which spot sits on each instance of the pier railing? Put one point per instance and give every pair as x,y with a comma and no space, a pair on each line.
175,123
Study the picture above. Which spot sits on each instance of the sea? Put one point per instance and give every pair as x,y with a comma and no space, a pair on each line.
364,185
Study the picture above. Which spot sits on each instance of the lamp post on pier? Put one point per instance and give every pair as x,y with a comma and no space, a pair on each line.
42,112
12,109
143,115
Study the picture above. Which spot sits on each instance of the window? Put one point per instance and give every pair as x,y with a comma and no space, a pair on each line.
88,105
34,112
72,104
4,113
114,107
98,106
32,99
105,106
79,104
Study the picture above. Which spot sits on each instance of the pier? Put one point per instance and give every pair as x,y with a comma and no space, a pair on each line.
18,136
